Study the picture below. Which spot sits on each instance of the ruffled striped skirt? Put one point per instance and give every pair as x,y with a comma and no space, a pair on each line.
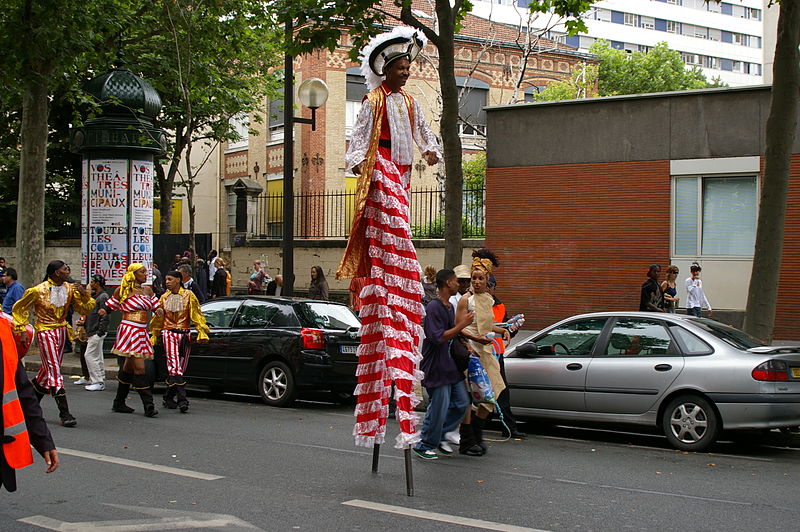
132,340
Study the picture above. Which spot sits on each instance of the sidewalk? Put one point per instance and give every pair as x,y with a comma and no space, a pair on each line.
70,366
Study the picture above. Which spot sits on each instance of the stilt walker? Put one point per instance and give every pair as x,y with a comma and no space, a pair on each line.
381,154
50,301
135,301
178,309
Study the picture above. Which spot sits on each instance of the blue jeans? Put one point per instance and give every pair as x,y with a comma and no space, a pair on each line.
693,311
446,408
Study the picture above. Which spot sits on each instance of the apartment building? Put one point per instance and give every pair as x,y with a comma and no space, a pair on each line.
725,39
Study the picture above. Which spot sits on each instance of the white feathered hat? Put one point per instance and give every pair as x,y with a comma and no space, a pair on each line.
386,48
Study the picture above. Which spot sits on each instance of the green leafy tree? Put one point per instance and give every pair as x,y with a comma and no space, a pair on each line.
320,25
582,83
658,70
44,43
209,61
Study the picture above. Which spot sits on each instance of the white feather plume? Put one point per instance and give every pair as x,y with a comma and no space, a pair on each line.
370,78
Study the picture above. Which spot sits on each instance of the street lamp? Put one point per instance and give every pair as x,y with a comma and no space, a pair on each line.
313,93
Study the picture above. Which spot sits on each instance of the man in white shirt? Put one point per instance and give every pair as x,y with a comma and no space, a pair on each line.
464,280
696,299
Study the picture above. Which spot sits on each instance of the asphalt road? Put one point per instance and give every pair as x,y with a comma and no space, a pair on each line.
233,463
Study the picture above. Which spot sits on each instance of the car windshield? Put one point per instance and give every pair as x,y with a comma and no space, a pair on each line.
726,333
327,315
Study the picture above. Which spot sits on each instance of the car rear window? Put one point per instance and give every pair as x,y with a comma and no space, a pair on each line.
726,333
327,315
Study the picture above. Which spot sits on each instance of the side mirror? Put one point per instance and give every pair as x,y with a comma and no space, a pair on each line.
527,350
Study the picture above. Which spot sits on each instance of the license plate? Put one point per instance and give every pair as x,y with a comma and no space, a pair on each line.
796,373
348,349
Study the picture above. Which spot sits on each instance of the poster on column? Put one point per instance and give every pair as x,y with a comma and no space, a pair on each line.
107,214
142,212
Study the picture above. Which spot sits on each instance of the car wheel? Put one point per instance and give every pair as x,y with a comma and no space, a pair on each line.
276,384
690,423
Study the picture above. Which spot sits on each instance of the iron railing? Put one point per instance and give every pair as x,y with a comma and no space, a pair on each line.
330,214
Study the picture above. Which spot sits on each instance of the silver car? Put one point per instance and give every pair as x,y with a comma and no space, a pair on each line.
692,377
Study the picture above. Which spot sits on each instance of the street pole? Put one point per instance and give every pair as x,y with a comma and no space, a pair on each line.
288,168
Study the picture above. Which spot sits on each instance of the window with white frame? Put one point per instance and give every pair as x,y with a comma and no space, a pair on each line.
631,19
714,215
240,124
275,119
356,90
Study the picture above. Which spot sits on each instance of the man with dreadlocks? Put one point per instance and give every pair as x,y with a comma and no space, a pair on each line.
180,309
50,301
389,123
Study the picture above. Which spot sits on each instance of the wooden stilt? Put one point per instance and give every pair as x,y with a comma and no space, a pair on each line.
409,473
376,451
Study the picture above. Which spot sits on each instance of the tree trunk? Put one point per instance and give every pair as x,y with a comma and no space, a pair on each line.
780,134
33,160
451,142
190,205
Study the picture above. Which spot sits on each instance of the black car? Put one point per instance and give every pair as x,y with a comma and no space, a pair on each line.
277,347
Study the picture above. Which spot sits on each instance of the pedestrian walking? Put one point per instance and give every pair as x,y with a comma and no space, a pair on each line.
179,309
275,286
14,289
50,301
189,283
480,302
429,284
670,289
447,394
318,288
651,298
219,287
464,275
96,330
695,296
20,416
135,301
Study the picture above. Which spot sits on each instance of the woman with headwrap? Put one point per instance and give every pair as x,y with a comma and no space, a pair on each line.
133,341
50,301
480,301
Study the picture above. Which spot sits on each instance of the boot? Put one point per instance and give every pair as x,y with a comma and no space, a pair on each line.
180,390
469,444
67,419
124,378
169,395
477,429
140,385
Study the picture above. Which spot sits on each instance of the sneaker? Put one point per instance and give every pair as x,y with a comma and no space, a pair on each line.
425,454
82,381
453,437
445,448
96,387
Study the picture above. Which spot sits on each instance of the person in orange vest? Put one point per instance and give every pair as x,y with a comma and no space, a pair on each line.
499,348
21,416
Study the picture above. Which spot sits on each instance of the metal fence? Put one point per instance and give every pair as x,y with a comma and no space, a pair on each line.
330,214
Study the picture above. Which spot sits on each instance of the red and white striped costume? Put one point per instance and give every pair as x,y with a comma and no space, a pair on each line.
132,337
176,350
51,351
380,248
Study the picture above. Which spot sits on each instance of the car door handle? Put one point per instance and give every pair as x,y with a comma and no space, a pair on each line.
574,366
663,367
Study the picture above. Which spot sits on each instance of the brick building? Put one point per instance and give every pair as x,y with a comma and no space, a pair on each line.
487,64
577,215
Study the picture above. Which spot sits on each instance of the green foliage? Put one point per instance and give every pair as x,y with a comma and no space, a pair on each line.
474,169
581,84
571,10
435,229
659,70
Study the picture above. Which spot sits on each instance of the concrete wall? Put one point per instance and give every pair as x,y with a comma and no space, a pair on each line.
67,250
669,126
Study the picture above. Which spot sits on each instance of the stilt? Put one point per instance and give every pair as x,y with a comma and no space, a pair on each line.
409,473
376,451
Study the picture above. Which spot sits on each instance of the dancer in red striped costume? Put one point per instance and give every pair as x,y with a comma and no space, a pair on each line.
178,309
135,301
50,301
380,248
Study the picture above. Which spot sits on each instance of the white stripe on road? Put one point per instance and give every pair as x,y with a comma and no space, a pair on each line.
443,518
140,465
